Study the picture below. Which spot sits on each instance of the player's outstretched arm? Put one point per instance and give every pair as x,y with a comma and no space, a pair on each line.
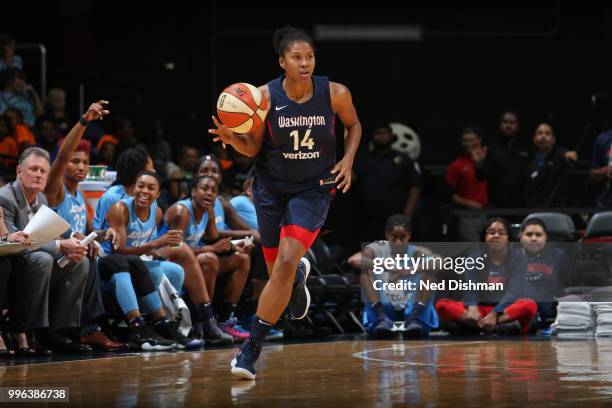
54,190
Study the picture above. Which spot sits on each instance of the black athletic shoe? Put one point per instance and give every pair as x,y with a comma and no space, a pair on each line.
243,363
147,340
383,328
168,330
508,329
414,329
213,334
300,297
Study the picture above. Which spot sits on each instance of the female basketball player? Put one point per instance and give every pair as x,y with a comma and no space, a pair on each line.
296,177
195,216
135,219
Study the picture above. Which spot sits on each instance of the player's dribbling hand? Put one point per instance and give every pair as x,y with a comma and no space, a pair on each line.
342,170
224,135
96,111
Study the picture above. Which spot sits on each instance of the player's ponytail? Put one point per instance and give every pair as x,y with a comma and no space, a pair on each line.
287,35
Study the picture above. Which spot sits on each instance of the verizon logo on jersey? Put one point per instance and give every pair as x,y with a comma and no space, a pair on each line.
301,155
295,121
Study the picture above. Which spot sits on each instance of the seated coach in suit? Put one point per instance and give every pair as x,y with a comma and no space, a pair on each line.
50,296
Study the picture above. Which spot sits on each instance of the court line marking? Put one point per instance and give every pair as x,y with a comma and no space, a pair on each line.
363,355
159,354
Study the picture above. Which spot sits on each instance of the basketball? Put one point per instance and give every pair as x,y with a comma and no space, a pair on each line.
241,107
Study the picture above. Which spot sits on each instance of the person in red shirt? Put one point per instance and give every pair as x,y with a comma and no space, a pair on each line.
468,191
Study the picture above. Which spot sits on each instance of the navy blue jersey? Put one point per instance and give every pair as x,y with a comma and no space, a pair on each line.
299,147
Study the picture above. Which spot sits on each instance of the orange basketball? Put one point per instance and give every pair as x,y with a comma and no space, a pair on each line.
241,107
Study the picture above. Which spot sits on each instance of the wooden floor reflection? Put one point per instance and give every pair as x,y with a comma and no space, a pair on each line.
344,374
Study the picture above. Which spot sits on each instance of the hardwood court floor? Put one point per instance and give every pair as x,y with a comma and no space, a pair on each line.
436,372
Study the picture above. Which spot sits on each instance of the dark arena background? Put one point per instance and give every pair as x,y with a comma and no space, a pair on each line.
433,73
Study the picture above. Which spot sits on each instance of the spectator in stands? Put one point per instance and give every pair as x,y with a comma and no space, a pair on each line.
55,111
547,170
468,316
106,150
18,94
48,136
123,130
22,135
8,146
503,163
161,152
52,295
386,182
468,192
8,59
382,307
601,168
182,174
136,219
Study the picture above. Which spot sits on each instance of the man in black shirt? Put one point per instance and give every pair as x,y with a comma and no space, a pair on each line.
387,182
503,163
547,170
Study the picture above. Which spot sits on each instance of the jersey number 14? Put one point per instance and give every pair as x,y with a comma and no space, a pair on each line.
307,141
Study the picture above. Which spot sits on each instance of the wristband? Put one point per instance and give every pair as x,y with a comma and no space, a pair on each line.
83,122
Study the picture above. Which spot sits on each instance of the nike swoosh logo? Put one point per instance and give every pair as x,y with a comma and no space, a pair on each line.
281,107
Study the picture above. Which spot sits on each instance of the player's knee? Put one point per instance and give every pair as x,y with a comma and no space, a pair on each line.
286,266
243,262
209,262
184,252
529,306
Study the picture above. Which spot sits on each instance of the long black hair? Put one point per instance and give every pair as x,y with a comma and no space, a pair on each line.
131,162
